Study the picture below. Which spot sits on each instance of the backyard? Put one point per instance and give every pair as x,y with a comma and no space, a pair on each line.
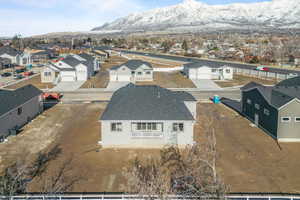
248,159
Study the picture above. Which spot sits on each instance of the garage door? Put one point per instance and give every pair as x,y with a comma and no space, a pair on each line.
81,76
203,76
123,78
67,78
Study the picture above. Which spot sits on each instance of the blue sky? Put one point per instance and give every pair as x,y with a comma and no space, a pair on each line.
30,17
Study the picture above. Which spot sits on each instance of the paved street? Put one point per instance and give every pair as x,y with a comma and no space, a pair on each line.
206,84
90,95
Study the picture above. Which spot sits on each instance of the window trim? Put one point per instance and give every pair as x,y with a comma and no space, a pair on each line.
118,127
20,111
266,112
249,101
297,121
179,130
283,121
257,106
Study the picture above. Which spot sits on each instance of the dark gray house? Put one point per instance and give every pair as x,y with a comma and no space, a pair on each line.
148,117
276,109
18,107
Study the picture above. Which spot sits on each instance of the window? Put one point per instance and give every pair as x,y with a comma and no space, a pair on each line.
139,73
143,126
249,101
213,70
178,127
297,119
285,119
266,112
47,73
116,127
133,72
20,110
257,106
228,71
148,72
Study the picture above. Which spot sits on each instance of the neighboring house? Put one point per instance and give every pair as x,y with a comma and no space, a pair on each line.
200,70
276,109
148,116
42,56
133,70
5,63
16,57
17,108
72,68
102,56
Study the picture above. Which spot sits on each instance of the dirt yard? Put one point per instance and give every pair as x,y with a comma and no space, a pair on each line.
156,62
239,80
169,80
36,81
248,159
101,79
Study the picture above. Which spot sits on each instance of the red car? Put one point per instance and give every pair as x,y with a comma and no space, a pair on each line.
262,68
28,73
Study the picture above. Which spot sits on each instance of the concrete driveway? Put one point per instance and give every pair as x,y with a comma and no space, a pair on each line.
206,84
115,85
68,86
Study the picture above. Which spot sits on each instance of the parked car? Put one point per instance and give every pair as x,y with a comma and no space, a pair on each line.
6,74
29,73
18,71
18,76
262,68
293,75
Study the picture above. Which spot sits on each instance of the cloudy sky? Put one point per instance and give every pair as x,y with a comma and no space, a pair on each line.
31,17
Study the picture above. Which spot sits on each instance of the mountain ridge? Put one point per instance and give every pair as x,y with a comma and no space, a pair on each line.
192,15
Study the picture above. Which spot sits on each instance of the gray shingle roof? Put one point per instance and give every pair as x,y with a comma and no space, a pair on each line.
134,102
204,63
10,51
292,82
278,95
70,60
13,99
132,64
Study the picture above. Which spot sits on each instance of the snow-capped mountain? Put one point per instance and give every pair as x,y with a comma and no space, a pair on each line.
192,15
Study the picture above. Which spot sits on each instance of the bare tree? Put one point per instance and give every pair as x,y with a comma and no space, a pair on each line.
17,178
189,172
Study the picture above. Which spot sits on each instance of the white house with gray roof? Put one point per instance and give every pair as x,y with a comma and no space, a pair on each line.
17,108
133,70
15,56
148,117
72,68
208,70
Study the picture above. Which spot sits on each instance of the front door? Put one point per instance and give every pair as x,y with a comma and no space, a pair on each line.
256,119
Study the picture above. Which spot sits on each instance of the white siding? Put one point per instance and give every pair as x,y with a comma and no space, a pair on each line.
125,138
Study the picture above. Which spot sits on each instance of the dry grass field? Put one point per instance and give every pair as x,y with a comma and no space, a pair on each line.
239,80
248,159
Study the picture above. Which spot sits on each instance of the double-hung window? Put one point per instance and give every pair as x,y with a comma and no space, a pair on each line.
178,127
116,127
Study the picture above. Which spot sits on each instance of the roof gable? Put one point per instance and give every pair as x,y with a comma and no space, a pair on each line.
134,102
12,99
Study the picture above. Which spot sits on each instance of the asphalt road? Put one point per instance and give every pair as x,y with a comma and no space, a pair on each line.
87,96
187,59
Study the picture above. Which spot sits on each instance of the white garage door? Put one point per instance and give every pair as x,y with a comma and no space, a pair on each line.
67,78
203,76
123,78
81,76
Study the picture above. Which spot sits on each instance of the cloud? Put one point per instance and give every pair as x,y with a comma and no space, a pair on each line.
41,16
